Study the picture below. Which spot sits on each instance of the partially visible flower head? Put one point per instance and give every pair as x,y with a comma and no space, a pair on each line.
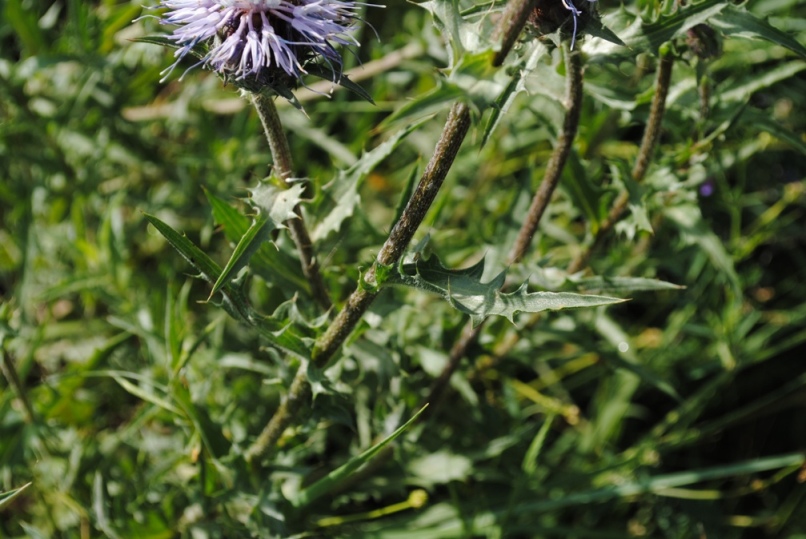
260,39
549,15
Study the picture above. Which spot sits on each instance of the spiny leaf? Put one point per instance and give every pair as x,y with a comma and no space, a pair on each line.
273,265
465,292
274,206
641,35
517,84
734,21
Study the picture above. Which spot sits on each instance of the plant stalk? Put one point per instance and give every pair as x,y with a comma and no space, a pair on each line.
556,164
284,167
515,15
540,201
453,134
645,152
648,142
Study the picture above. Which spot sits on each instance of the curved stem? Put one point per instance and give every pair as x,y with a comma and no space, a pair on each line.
556,164
540,201
284,167
328,344
648,142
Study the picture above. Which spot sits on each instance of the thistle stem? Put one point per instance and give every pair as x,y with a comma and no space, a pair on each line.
453,134
540,201
515,15
284,167
556,164
648,142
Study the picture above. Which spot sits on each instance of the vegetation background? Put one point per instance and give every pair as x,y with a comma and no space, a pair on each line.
677,414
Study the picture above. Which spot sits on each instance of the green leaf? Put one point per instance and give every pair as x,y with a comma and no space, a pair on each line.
693,230
622,284
162,41
742,92
275,331
464,290
735,21
331,480
426,104
341,79
517,84
596,28
275,206
7,496
583,191
147,396
645,36
197,258
343,190
210,433
273,265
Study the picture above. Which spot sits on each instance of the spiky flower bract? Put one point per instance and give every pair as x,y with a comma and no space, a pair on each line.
260,41
550,15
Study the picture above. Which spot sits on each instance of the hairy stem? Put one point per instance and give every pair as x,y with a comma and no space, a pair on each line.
328,344
556,164
648,143
509,27
540,201
284,167
645,152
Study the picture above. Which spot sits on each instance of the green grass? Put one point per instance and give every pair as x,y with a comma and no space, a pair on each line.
129,400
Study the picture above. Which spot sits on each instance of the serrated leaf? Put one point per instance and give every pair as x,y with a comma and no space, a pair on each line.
642,36
464,290
7,496
343,190
596,28
331,480
274,206
517,84
761,81
735,21
273,265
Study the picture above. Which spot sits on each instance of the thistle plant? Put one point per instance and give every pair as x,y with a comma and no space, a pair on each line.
529,279
260,39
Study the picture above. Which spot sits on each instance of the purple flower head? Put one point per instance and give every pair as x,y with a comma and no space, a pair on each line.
255,41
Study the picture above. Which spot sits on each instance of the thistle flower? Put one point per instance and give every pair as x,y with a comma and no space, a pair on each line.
549,15
256,42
